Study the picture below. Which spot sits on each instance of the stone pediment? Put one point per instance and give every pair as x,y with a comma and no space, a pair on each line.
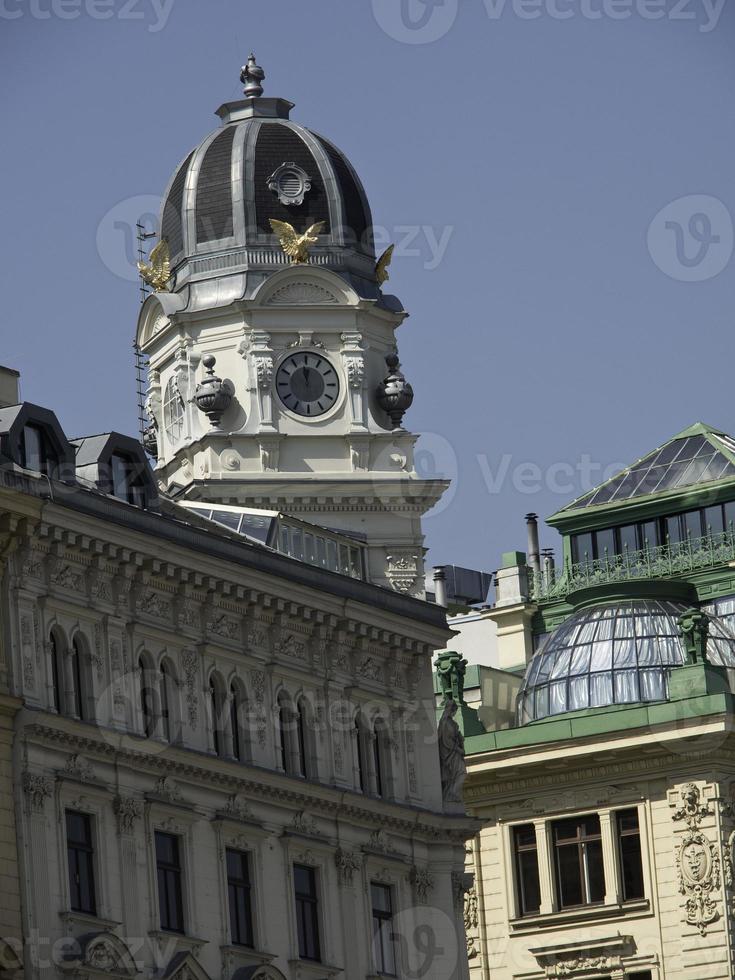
99,953
301,294
585,960
10,961
258,973
184,966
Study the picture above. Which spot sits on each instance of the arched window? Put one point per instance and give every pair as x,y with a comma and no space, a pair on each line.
361,755
165,702
284,730
55,653
302,718
80,680
173,411
220,716
148,698
238,707
381,758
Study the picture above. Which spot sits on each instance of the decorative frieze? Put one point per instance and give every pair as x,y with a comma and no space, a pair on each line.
697,858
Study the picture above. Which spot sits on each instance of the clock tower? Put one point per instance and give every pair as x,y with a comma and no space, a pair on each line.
274,381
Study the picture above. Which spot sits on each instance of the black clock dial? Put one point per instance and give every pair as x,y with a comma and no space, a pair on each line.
307,384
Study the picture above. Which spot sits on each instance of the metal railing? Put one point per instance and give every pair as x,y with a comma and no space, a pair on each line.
673,558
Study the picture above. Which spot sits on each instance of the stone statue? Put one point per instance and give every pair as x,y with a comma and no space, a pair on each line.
694,630
450,669
451,756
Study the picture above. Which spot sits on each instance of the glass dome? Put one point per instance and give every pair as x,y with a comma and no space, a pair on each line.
617,654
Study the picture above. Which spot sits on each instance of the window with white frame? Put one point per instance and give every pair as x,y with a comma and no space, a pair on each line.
80,859
384,951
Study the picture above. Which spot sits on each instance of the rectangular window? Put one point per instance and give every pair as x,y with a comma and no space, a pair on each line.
80,854
629,849
580,875
33,456
582,548
383,941
650,535
693,524
673,529
713,520
238,892
605,542
730,515
628,538
170,896
526,868
307,912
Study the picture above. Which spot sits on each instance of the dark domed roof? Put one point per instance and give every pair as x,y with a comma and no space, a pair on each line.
261,165
613,654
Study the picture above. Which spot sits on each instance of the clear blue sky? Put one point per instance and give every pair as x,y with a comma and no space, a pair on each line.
544,137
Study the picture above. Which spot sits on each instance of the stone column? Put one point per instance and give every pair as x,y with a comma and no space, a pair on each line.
544,867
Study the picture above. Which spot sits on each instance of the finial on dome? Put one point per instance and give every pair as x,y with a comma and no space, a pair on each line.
251,76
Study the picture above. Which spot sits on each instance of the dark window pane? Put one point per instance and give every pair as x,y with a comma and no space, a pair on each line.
730,515
527,873
595,872
170,897
673,529
693,524
569,874
629,847
383,946
238,888
713,520
628,538
605,541
80,857
582,547
33,455
650,535
307,912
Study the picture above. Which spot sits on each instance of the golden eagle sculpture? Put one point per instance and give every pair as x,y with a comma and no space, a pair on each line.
157,273
381,267
293,244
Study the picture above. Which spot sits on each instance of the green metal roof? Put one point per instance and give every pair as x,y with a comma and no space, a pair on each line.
700,455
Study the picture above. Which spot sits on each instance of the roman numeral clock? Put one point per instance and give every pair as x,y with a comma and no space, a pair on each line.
307,384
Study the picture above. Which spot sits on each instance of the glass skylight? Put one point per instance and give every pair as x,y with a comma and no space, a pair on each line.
609,655
680,463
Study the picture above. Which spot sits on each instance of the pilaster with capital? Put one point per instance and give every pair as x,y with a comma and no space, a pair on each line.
257,351
353,361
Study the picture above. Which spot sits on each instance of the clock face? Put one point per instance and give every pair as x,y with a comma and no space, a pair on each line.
307,384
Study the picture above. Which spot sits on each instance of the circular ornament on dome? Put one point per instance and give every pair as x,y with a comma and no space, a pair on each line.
290,183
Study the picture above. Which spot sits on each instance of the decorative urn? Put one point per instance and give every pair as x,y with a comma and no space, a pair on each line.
213,395
395,394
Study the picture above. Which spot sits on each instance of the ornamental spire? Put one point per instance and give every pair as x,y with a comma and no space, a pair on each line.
252,76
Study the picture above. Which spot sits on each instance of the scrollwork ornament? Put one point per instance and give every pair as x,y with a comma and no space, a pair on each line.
698,867
128,810
37,789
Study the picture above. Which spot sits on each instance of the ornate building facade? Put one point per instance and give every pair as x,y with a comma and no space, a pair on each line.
217,673
607,850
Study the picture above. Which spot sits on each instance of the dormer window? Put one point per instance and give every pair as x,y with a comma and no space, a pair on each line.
127,482
35,452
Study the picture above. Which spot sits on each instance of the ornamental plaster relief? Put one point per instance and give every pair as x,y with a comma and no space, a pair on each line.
697,857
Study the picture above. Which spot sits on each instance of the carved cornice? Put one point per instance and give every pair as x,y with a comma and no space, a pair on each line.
323,800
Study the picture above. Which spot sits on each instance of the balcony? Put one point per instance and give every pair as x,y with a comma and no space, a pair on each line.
663,561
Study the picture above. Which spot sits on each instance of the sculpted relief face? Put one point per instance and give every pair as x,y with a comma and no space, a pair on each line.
695,861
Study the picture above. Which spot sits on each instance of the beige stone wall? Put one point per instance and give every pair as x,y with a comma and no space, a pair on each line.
683,927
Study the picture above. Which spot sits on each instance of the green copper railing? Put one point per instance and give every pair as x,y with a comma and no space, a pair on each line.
673,558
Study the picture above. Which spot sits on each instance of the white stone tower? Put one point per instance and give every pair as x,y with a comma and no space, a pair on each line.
296,395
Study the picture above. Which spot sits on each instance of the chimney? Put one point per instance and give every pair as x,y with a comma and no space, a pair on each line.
534,559
440,586
9,387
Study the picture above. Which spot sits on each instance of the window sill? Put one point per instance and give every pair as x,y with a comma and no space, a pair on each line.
85,920
181,940
582,914
236,956
304,969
